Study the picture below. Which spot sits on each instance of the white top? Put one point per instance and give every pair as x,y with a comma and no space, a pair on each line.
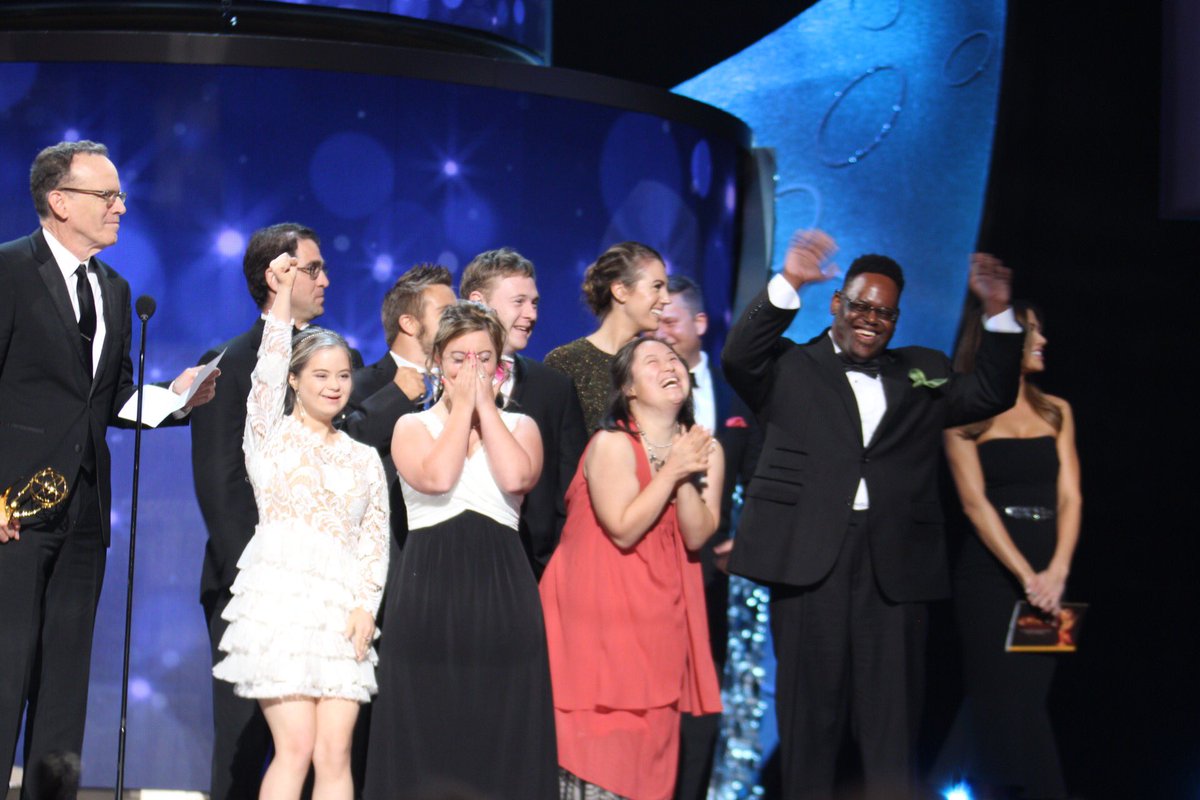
335,486
476,489
704,399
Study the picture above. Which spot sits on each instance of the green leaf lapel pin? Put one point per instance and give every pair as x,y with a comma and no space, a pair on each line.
919,380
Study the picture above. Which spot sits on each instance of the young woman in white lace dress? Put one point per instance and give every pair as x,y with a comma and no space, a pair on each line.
302,617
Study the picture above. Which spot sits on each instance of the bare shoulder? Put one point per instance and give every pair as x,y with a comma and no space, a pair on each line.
409,424
610,447
1059,403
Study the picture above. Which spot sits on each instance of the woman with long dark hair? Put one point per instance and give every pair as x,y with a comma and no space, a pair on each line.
623,594
1017,475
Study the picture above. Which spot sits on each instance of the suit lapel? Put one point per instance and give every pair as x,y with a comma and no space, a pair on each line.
721,390
52,277
835,375
520,372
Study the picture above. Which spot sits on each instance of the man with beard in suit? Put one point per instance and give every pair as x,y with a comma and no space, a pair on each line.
682,325
504,280
401,382
842,517
241,740
65,372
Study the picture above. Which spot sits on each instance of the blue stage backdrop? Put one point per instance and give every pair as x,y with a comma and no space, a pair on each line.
390,171
526,22
880,114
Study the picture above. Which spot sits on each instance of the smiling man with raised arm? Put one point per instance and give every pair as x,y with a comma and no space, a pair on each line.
842,518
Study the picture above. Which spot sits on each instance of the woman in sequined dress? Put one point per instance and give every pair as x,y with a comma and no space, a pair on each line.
626,288
623,594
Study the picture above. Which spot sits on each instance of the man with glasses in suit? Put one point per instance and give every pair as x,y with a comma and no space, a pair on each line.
65,372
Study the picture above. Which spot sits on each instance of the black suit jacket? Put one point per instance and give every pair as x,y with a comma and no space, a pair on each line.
549,397
799,501
219,466
741,440
376,402
49,408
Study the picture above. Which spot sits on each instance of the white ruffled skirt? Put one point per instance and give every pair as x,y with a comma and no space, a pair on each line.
291,602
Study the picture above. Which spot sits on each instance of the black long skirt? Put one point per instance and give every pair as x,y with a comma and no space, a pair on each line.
464,680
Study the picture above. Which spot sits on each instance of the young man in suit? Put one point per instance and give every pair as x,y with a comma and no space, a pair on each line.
504,280
65,372
842,517
682,325
241,740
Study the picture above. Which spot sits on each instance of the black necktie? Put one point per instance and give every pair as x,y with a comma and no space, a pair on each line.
869,367
87,312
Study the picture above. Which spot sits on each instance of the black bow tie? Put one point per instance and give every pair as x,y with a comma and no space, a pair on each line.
869,367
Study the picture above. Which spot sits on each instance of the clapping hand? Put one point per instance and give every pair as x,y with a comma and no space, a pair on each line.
991,282
807,256
689,455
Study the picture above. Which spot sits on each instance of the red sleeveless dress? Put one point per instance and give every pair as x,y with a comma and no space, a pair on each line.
629,649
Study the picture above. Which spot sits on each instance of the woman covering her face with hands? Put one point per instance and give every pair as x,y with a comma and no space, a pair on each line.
302,616
623,594
464,665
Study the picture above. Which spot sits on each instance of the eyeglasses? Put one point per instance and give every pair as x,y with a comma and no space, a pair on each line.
109,196
313,271
859,308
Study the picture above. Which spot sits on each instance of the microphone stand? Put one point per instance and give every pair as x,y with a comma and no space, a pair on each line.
144,310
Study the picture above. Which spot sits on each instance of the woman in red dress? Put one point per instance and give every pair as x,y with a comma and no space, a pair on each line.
623,595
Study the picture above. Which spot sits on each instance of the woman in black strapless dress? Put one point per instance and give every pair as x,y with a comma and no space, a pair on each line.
1018,477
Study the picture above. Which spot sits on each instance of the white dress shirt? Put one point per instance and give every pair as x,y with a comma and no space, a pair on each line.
401,361
704,399
67,264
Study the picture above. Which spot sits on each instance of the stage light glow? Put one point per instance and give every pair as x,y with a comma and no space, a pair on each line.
960,791
230,243
450,168
381,270
140,689
71,135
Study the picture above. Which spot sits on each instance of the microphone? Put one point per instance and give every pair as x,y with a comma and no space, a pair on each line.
145,307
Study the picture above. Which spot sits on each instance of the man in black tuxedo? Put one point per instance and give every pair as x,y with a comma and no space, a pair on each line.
504,280
682,325
241,740
842,518
65,372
